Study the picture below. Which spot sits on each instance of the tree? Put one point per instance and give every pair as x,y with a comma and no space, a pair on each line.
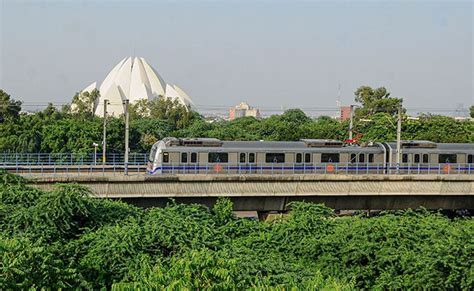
84,103
9,108
375,100
139,109
471,111
166,108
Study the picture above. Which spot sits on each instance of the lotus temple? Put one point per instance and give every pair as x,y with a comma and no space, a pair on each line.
133,79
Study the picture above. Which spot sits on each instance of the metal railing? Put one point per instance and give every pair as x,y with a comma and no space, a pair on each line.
83,167
321,168
68,159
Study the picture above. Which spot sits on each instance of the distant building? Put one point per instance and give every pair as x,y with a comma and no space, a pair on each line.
345,113
242,110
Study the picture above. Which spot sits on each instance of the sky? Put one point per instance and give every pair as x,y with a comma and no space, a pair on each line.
271,54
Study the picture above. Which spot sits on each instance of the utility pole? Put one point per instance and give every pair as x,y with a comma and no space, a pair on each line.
104,138
351,122
126,103
399,133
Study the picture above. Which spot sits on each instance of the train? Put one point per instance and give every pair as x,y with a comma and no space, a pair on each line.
173,155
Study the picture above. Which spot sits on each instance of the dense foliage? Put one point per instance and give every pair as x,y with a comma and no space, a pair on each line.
74,129
65,238
56,132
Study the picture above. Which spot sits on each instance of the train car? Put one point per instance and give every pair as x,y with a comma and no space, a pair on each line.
431,158
209,155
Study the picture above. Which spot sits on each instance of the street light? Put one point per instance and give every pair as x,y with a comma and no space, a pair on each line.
95,145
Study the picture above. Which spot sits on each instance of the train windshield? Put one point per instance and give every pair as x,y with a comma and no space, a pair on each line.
151,158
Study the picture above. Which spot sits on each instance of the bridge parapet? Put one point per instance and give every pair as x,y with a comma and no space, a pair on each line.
337,191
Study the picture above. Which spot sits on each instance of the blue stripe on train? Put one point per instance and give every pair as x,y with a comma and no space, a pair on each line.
298,168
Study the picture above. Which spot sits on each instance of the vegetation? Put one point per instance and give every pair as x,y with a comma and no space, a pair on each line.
66,238
74,129
9,108
375,100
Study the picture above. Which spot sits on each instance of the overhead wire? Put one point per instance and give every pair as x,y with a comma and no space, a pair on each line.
205,107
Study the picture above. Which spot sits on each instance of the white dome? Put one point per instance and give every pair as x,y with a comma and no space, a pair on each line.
132,79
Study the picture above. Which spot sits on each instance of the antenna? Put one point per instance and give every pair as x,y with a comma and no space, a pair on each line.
338,101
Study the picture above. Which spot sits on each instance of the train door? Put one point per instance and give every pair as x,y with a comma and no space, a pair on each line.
299,167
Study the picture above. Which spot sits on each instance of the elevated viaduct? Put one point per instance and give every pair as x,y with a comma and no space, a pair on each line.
274,192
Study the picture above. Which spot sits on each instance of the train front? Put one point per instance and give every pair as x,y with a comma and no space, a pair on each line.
155,160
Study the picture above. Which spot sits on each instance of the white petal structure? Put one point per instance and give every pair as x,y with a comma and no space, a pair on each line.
90,88
134,79
173,92
185,97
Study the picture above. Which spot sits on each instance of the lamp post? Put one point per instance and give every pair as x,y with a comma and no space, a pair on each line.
399,134
351,121
127,116
104,137
95,145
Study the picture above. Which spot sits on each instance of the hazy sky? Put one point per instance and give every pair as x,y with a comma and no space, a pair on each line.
271,54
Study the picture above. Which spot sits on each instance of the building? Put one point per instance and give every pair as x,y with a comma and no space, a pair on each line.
345,113
242,110
133,79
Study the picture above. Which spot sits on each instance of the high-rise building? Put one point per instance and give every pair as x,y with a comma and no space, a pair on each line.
242,110
345,113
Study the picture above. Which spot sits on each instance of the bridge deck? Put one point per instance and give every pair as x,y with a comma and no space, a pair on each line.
273,192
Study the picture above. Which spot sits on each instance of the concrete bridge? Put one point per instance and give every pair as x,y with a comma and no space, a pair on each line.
274,192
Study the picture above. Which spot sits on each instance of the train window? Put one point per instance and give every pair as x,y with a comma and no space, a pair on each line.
193,157
417,159
371,158
447,158
184,158
405,158
275,158
242,157
329,158
252,158
166,157
299,158
151,158
307,158
353,158
361,158
470,159
426,158
218,158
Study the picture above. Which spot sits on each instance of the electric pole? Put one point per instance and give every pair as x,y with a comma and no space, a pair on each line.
351,122
399,133
104,137
126,103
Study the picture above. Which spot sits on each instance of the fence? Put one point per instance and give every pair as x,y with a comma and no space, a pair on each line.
68,159
88,164
310,168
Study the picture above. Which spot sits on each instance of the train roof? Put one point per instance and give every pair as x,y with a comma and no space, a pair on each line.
428,146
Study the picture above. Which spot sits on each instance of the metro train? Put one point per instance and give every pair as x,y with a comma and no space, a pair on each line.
317,156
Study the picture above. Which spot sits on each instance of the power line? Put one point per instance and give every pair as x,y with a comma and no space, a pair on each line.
263,108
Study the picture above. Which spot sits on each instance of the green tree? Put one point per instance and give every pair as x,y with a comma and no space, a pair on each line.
471,111
174,112
375,100
84,103
9,108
